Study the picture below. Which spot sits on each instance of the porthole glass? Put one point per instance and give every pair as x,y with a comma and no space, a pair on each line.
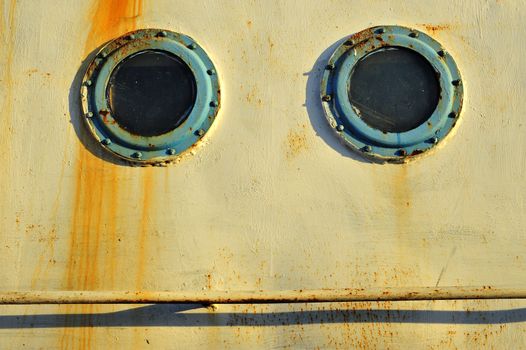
394,89
391,93
150,95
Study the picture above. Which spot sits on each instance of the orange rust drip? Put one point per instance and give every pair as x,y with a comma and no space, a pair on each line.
93,225
46,259
401,198
7,41
110,19
144,225
96,188
93,237
402,207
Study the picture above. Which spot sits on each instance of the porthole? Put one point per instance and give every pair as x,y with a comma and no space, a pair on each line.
391,93
150,95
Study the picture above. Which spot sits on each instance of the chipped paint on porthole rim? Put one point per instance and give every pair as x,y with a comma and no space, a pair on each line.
167,147
374,144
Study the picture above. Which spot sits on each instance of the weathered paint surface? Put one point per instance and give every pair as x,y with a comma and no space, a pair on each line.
270,200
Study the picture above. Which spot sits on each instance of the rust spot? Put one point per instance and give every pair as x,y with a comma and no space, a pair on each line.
296,142
104,114
249,24
360,36
270,44
209,281
416,152
434,28
253,97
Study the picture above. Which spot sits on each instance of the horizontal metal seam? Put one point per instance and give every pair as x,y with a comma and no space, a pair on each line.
259,297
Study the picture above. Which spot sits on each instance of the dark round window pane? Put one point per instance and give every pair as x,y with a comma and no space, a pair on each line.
151,93
394,89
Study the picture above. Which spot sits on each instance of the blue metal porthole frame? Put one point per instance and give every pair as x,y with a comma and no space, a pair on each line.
154,149
366,140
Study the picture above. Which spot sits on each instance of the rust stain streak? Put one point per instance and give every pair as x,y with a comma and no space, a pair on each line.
93,237
96,189
47,258
144,225
111,228
112,18
401,201
7,37
401,197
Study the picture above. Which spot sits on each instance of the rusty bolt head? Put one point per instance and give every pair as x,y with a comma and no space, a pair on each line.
131,37
401,152
452,115
330,66
413,35
87,83
200,132
162,33
170,151
442,53
326,98
192,46
89,114
211,72
214,104
367,148
380,31
106,142
433,140
137,155
340,127
456,82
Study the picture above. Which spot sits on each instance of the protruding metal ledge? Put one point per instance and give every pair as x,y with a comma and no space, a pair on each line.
260,297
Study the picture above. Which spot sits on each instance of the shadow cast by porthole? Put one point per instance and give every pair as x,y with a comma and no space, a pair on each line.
315,110
171,315
77,119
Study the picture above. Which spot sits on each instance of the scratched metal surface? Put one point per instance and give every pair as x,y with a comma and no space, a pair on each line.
269,199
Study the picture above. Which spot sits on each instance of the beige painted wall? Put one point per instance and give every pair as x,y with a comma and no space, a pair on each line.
270,199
